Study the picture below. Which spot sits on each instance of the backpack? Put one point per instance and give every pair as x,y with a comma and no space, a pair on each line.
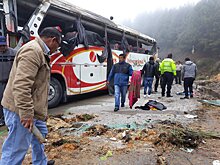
155,104
152,104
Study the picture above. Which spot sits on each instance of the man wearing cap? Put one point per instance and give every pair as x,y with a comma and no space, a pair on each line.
7,55
25,99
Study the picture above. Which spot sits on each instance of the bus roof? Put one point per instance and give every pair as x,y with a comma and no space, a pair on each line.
88,16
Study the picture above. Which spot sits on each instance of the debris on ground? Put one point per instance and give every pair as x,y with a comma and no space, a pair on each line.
108,154
161,161
211,102
209,89
167,139
185,137
216,162
96,130
54,123
191,116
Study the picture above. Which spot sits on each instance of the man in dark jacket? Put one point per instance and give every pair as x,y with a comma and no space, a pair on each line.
189,75
121,72
149,70
7,55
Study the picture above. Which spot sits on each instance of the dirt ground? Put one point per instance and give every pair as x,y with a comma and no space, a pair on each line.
89,132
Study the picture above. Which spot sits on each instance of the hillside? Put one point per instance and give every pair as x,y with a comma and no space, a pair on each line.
181,30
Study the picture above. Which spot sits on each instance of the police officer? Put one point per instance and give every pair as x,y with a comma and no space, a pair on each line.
168,71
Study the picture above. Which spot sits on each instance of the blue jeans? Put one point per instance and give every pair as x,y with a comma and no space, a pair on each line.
19,139
120,90
148,81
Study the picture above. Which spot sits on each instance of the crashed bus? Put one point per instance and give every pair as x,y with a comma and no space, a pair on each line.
91,43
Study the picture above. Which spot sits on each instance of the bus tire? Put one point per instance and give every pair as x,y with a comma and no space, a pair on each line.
55,93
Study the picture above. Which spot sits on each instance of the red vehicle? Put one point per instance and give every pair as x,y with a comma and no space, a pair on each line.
90,43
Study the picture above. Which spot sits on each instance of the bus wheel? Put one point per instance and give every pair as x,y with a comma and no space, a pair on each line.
55,93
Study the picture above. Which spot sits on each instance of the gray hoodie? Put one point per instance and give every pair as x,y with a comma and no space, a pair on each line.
189,70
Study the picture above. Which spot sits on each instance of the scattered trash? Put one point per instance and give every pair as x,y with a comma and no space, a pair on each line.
184,137
96,130
189,150
161,160
152,105
126,136
180,93
191,116
108,154
211,102
216,162
113,139
59,142
54,123
84,117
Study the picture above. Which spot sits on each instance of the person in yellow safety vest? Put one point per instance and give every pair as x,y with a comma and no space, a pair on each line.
168,71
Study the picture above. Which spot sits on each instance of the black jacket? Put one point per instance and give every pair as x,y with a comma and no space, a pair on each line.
149,69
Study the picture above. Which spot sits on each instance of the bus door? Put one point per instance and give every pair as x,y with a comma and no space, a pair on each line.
73,76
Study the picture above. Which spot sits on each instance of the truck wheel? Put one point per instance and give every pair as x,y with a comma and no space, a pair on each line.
55,93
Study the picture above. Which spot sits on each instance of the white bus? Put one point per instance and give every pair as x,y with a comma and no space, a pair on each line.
91,43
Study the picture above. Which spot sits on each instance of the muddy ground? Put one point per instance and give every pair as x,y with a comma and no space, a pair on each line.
89,132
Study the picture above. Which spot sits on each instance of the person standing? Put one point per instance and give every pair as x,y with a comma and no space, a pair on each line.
121,72
178,76
168,71
189,75
157,63
7,55
25,99
149,71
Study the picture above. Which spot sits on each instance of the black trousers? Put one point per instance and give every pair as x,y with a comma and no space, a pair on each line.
167,80
178,77
156,83
2,88
188,84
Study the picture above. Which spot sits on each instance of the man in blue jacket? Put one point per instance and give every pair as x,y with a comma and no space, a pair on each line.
121,72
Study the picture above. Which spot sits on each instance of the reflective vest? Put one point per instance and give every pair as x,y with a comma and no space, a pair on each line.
168,65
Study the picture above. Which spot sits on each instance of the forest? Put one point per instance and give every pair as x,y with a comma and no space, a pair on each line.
191,30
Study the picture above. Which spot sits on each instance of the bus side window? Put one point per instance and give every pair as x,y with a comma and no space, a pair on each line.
116,46
94,39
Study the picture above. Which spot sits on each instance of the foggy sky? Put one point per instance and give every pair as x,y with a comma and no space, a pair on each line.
127,10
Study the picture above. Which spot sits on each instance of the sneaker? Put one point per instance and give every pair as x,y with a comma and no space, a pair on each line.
116,109
122,105
186,97
148,95
145,96
191,96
